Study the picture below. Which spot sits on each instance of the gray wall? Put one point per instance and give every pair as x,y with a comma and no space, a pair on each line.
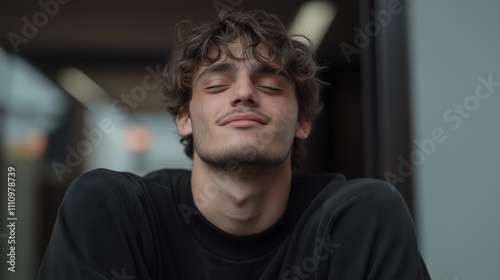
454,45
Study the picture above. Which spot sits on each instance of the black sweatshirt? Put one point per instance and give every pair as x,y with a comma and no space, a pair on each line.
119,226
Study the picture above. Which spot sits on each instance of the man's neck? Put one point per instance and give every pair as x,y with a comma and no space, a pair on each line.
241,201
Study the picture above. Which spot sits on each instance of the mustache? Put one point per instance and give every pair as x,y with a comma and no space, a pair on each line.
243,110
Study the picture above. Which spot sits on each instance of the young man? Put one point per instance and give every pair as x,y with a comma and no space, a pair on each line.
244,94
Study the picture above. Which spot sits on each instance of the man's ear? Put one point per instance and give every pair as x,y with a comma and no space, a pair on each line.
184,123
303,127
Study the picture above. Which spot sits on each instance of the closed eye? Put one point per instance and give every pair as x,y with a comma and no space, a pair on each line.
272,90
212,87
216,88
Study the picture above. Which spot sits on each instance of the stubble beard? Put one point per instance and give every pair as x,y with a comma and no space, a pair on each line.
244,159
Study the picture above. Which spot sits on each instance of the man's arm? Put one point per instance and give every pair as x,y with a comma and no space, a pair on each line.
97,231
376,235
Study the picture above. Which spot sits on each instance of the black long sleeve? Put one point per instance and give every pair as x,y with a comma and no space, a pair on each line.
97,232
115,226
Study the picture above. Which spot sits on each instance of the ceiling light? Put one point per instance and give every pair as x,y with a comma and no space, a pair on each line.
313,20
82,88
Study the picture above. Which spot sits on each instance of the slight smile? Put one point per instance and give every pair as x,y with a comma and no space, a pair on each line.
243,121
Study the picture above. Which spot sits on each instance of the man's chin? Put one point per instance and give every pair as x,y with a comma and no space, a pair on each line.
243,155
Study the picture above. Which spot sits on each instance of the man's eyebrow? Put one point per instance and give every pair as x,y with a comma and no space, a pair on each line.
262,68
217,67
265,68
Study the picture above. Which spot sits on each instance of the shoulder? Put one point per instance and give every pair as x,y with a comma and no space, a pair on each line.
368,194
108,188
336,187
332,194
118,195
102,191
368,204
102,182
360,206
365,189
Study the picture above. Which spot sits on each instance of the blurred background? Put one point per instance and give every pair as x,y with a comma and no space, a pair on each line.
414,99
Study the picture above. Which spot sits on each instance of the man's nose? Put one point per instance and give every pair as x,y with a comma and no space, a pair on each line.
244,93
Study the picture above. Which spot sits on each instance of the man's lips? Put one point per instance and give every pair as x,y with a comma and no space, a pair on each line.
243,120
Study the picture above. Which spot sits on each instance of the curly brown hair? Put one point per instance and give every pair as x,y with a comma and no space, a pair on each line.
252,28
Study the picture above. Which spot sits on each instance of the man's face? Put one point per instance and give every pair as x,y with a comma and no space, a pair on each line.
242,112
